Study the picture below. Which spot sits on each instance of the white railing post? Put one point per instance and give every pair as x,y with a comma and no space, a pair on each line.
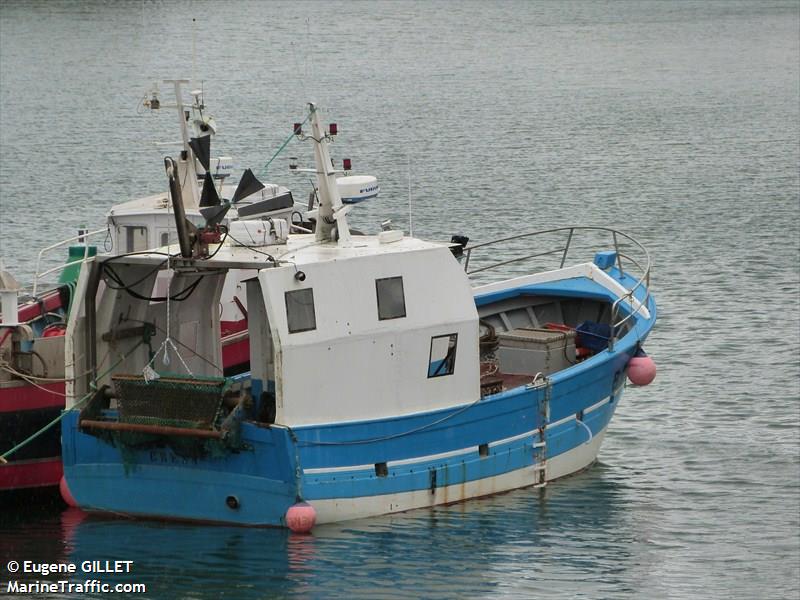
83,235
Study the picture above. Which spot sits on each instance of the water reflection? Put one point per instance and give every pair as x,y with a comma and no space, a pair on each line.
513,543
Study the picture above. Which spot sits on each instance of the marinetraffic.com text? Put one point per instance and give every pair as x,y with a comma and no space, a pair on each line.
22,577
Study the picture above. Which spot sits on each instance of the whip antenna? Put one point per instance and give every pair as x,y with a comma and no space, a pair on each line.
410,221
194,49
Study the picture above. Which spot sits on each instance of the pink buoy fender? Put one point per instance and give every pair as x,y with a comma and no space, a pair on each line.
65,493
641,369
300,517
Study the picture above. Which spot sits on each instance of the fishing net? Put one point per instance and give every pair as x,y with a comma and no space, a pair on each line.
194,403
171,401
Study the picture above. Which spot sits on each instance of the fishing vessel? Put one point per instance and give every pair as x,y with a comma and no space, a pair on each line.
381,378
31,345
32,325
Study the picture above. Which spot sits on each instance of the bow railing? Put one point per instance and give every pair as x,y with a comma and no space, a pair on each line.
553,247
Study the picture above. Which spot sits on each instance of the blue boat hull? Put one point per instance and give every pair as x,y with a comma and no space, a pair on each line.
432,458
519,437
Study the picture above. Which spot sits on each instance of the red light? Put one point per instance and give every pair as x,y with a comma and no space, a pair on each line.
333,129
298,128
347,164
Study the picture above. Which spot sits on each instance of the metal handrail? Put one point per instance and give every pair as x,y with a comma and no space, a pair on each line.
644,279
513,260
81,236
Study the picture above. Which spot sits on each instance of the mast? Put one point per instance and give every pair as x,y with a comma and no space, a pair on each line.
187,170
332,213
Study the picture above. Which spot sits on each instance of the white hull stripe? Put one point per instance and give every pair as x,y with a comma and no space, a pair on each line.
343,509
521,436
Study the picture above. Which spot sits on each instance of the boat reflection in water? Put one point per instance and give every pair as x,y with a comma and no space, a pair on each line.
527,533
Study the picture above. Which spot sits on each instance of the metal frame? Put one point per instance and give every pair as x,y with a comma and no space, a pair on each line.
82,237
644,278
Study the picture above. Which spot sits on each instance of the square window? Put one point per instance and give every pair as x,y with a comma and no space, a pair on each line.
442,359
300,310
391,299
135,239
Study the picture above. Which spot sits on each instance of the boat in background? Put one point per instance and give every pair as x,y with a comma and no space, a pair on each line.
27,405
381,378
32,370
148,222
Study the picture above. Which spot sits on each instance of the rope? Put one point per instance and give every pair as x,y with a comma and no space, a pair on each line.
29,439
148,371
263,171
28,377
32,379
589,431
395,435
36,385
180,343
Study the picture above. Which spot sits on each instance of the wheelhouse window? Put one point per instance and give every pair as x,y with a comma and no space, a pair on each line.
300,310
442,360
391,299
135,239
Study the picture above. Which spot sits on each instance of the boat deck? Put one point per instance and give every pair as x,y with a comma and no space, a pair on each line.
494,381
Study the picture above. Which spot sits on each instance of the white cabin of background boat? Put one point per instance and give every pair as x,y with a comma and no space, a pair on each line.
147,222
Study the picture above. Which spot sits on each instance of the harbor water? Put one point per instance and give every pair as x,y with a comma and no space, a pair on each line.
678,122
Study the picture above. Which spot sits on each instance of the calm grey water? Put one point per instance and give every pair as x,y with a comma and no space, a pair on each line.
678,122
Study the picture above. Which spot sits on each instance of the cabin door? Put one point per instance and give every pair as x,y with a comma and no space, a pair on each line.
262,353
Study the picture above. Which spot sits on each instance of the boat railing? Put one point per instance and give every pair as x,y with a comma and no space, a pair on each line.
82,237
636,257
